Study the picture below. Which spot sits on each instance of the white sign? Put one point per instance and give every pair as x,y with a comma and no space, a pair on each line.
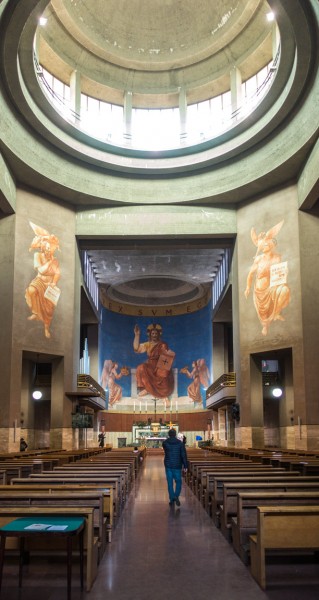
278,274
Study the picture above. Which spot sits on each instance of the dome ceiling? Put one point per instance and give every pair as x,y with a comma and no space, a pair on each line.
155,276
155,46
158,34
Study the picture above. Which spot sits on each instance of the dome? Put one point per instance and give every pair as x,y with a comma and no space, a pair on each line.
155,47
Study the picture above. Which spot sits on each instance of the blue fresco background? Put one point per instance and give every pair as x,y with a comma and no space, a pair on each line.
189,336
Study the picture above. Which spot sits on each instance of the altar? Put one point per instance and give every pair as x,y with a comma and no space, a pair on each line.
151,436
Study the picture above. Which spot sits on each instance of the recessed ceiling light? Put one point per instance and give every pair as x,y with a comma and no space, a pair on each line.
43,21
270,16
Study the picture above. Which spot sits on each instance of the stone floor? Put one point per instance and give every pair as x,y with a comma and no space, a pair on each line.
159,552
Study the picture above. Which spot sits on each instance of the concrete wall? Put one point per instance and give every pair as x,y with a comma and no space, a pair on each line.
20,335
256,337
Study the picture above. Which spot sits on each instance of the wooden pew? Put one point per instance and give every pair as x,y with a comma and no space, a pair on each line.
244,523
199,469
195,466
44,498
92,468
204,485
283,528
61,480
15,469
90,542
215,482
231,487
69,489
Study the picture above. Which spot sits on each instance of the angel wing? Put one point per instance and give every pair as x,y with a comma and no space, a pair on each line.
203,372
107,368
274,230
254,236
39,231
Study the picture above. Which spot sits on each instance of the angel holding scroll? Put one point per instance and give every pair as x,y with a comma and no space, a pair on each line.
42,293
271,293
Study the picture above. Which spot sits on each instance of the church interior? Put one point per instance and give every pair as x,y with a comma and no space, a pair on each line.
158,219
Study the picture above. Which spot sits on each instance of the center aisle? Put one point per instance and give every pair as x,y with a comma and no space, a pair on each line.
158,550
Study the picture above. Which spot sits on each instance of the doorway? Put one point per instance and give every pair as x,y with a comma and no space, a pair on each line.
36,390
272,397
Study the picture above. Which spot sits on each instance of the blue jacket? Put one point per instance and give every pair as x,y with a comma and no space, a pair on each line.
175,453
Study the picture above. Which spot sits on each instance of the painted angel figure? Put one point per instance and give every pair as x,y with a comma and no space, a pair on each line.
108,380
271,293
200,376
42,293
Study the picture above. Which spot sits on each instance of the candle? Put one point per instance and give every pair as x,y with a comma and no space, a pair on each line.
145,405
176,405
134,405
140,406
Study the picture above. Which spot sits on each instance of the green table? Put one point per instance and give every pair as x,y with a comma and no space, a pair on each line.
45,525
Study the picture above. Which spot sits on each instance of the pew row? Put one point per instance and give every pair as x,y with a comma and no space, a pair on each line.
244,523
285,528
78,481
215,483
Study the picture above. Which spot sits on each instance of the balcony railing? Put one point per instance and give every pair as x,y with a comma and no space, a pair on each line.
222,391
88,383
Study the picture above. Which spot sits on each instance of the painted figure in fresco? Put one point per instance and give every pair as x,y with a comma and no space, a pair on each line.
42,293
271,295
108,380
155,376
200,376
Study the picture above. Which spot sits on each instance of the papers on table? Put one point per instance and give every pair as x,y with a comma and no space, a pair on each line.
45,527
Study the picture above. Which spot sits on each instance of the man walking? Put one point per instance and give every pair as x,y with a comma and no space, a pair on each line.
175,459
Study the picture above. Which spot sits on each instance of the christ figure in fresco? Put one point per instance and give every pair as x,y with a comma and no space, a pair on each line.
42,293
271,293
155,376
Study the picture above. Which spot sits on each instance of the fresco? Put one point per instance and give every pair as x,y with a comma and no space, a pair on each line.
42,293
144,361
271,293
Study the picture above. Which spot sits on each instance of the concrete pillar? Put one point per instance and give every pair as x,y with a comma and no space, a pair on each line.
182,111
235,89
128,101
220,350
275,40
75,93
